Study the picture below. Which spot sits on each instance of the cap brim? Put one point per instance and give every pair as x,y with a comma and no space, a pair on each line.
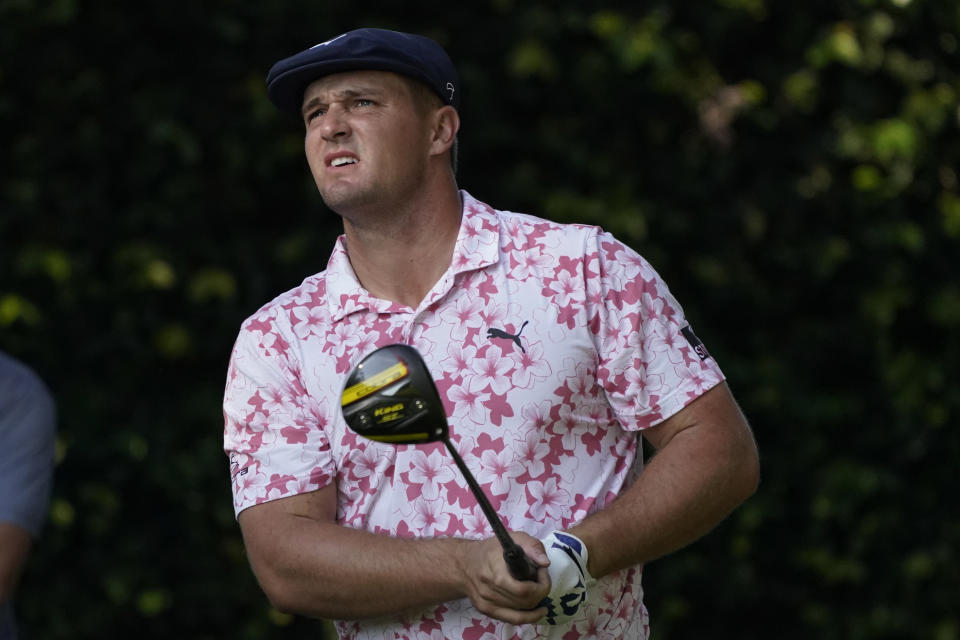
285,89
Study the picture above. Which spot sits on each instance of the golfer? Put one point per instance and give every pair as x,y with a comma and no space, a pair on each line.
556,349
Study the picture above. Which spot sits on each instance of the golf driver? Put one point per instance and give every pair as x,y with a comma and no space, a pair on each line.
390,397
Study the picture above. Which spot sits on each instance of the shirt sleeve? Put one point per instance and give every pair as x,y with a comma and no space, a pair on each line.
651,364
27,437
273,429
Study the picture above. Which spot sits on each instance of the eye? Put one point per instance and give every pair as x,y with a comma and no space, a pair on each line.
314,114
364,102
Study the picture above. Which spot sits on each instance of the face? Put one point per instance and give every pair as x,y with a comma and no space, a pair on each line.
367,140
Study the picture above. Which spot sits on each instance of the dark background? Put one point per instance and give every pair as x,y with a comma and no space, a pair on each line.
789,168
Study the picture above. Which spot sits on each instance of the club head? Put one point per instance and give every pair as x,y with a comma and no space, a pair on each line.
390,397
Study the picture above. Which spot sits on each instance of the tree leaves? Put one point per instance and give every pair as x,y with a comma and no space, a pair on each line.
790,170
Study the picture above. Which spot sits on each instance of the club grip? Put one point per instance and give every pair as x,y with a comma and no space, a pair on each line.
519,565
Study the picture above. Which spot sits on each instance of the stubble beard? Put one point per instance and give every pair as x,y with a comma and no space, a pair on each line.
377,206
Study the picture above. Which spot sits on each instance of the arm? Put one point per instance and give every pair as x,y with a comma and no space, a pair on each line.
706,464
15,543
307,563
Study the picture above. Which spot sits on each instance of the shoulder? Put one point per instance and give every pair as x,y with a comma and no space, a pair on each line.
525,233
309,294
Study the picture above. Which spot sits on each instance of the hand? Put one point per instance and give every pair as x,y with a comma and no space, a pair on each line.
491,588
569,577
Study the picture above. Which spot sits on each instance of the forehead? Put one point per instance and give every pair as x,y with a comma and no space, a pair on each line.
352,82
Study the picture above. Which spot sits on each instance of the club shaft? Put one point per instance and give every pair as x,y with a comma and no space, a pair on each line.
519,565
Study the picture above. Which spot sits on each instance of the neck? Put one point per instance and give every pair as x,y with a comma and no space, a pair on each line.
406,251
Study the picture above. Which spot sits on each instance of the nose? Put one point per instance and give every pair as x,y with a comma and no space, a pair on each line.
334,124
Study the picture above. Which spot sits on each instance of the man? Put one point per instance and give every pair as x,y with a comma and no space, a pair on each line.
553,347
27,425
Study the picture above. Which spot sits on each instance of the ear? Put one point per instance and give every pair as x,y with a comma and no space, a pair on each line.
446,124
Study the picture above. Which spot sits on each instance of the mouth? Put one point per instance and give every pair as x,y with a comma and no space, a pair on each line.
341,160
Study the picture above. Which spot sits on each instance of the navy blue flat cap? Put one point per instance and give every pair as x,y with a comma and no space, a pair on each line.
408,54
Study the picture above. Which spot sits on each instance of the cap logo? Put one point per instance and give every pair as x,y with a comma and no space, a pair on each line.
330,41
451,89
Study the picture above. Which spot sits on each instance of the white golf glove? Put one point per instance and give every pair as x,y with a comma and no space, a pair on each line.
569,577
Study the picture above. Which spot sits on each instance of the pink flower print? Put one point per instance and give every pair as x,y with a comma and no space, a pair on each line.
366,341
248,485
514,232
487,288
624,446
597,620
464,258
472,232
429,472
547,500
614,332
344,337
498,470
536,417
295,435
624,265
494,315
568,467
622,331
694,378
464,316
480,629
459,358
529,262
530,367
566,290
663,341
568,426
641,383
277,486
532,452
429,517
319,477
468,398
307,321
303,485
274,399
273,345
263,434
625,610
261,324
499,409
652,305
350,495
493,369
582,383
476,524
365,463
464,446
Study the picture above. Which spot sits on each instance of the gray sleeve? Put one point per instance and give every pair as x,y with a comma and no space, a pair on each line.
27,434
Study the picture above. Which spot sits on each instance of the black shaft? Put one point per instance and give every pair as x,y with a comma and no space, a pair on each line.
520,566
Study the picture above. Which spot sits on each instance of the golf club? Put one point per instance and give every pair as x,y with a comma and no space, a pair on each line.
390,397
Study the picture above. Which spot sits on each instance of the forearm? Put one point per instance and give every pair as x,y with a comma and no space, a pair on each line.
687,488
325,570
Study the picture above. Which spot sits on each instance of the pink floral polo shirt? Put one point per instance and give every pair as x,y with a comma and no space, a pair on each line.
551,345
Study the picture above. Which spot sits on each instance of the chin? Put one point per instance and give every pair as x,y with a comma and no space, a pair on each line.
343,200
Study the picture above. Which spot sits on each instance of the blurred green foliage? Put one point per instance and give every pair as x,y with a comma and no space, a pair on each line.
791,169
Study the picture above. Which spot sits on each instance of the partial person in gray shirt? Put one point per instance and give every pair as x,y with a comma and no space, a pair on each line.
27,429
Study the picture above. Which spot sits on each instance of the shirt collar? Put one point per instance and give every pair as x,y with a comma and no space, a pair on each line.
477,246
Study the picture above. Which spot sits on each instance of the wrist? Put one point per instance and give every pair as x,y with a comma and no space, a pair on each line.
459,552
